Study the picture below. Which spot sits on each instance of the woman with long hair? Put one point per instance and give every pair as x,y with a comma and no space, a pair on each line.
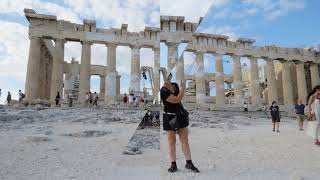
171,96
314,108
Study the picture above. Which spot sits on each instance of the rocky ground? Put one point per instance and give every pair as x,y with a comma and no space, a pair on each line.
105,143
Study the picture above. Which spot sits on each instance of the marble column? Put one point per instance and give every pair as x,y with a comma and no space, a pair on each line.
200,80
271,82
219,78
180,71
286,82
111,73
254,83
102,87
301,81
237,79
57,69
84,86
156,73
172,55
32,78
314,70
68,84
135,76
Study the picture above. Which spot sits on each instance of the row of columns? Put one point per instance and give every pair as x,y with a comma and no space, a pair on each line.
254,76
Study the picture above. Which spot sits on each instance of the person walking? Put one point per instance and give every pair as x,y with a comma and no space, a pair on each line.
9,98
57,99
21,97
275,116
87,98
125,100
95,99
175,120
0,93
314,108
90,98
70,98
299,111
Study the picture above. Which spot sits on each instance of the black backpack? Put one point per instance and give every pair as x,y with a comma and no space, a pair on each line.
23,95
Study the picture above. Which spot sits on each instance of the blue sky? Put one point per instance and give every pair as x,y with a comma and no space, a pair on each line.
290,23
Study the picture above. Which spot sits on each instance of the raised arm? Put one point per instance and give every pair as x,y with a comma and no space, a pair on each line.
176,99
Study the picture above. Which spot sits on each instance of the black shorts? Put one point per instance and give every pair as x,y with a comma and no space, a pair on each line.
167,117
275,119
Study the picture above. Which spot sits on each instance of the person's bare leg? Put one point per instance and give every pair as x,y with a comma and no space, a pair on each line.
172,150
277,126
274,126
183,136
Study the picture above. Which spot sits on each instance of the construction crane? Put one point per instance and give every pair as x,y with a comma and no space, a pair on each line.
148,71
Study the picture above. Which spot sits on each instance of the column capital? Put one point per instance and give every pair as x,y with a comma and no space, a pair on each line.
218,55
111,45
135,46
199,52
58,39
172,44
235,56
86,43
156,48
297,62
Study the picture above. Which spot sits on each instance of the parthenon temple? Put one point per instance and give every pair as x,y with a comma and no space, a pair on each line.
288,73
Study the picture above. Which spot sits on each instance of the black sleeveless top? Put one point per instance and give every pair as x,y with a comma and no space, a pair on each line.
164,94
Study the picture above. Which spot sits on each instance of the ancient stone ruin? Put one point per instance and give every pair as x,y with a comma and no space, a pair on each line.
288,74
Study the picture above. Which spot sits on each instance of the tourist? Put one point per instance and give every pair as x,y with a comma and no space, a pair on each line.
95,99
9,98
70,98
90,98
275,116
125,100
57,98
87,98
0,93
314,108
299,111
245,107
21,97
142,101
136,101
176,123
131,99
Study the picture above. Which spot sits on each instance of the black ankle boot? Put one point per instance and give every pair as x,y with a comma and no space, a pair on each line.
173,167
191,167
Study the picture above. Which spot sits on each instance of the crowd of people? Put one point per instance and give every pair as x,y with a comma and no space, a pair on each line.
133,101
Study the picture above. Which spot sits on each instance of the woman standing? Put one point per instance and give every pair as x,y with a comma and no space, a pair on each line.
314,108
275,116
171,97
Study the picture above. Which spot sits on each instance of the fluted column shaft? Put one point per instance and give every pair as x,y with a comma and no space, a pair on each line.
237,78
172,56
84,86
301,81
200,80
156,73
287,85
33,68
111,73
255,84
135,69
220,96
57,69
271,82
314,70
102,87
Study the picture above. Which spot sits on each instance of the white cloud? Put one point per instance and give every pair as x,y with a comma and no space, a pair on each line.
136,13
192,10
17,6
